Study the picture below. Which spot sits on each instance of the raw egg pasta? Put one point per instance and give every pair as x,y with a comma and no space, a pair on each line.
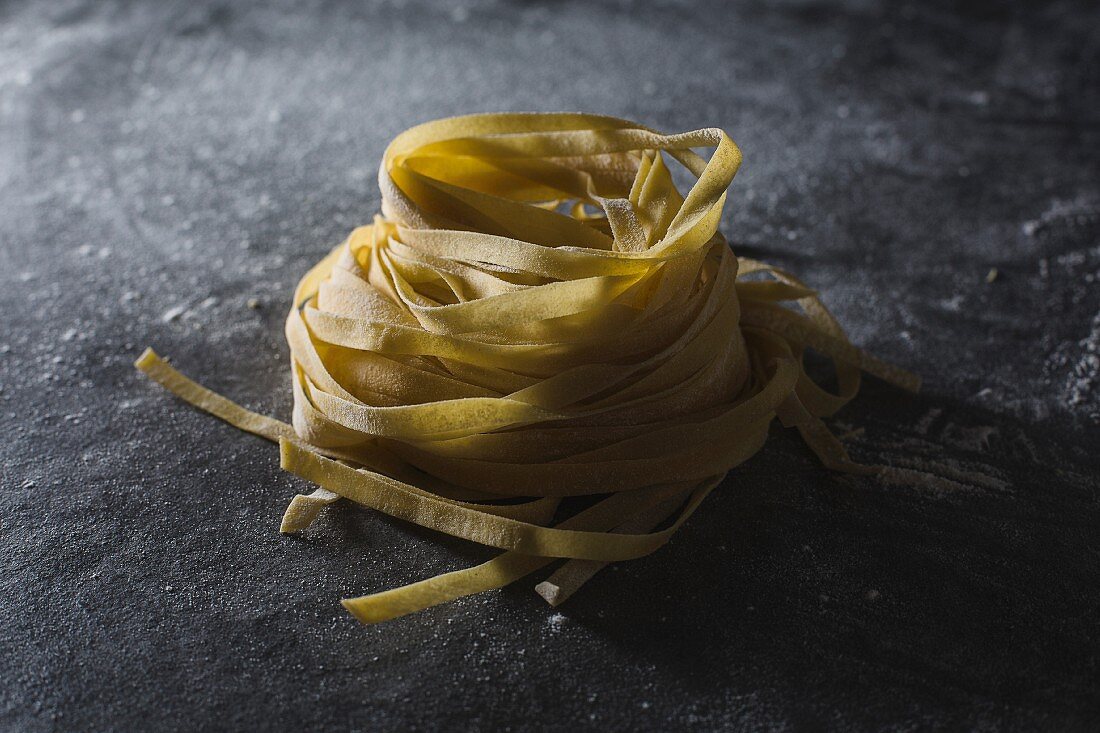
539,313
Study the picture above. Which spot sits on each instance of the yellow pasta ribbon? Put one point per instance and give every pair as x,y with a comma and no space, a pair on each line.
539,313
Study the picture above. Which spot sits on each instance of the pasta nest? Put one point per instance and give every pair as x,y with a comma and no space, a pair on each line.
539,312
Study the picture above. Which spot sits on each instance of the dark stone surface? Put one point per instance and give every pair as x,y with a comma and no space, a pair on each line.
162,164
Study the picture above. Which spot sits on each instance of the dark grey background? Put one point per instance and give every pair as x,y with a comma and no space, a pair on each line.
162,164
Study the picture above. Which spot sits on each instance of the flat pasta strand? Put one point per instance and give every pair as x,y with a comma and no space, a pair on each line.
538,313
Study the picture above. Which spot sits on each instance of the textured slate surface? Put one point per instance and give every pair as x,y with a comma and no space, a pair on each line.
162,164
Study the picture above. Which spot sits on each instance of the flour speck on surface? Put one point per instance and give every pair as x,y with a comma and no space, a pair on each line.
555,621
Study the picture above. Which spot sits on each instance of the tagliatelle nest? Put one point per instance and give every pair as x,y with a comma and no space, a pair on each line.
539,313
